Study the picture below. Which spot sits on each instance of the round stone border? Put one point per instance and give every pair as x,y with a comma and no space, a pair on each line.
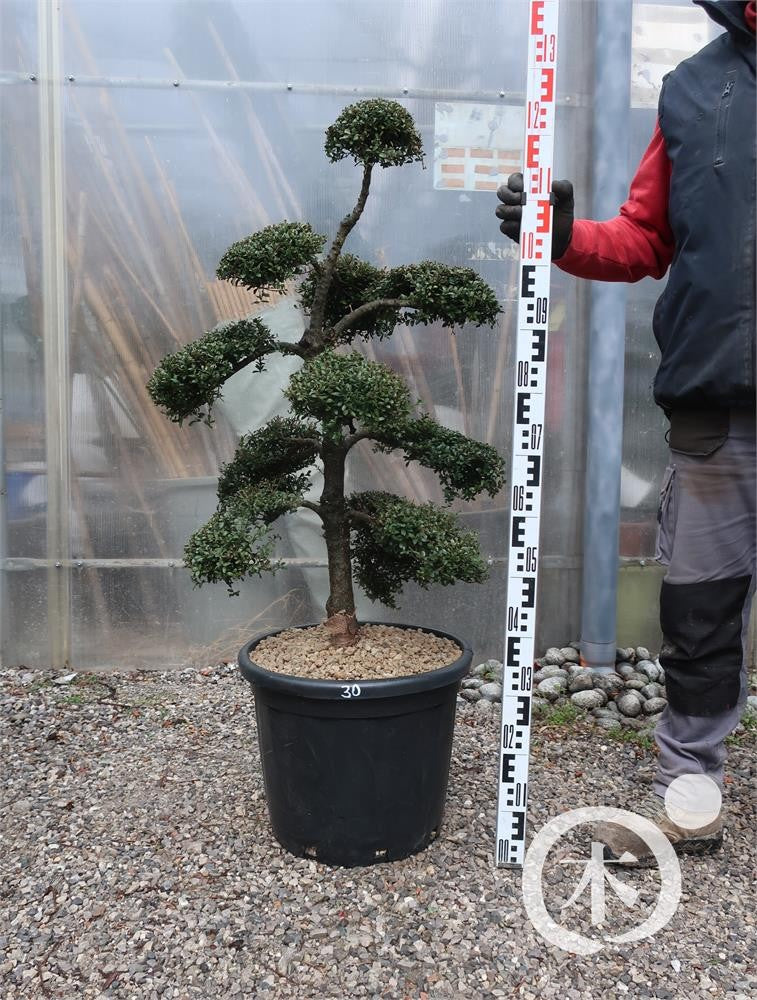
633,697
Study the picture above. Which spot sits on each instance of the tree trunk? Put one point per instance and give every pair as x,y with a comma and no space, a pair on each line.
340,607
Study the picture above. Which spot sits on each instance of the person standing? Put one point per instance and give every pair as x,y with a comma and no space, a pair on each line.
691,214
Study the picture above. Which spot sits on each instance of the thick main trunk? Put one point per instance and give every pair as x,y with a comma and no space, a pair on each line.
340,607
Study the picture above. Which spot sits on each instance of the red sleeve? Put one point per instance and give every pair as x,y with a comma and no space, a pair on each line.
638,242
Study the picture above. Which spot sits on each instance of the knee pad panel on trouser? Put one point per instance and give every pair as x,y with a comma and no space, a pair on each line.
702,651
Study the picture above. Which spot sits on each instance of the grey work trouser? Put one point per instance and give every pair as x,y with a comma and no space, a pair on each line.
706,538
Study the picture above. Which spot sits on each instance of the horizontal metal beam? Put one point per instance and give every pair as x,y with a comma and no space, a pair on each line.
516,97
22,563
15,563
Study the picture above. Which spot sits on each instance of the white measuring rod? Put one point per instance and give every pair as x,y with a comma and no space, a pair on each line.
527,467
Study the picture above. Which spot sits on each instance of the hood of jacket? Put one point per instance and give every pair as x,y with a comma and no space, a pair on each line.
730,15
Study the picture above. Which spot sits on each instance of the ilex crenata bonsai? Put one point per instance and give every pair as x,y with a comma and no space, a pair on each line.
337,398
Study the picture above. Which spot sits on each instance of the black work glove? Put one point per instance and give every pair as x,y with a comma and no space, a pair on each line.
511,211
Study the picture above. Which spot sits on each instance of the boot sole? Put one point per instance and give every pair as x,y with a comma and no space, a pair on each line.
696,847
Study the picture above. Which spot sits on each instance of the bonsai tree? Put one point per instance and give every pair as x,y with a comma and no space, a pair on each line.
338,398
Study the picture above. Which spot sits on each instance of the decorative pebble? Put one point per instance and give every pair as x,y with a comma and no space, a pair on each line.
471,694
491,691
495,670
552,687
636,684
549,670
642,653
625,670
603,713
629,704
651,691
570,655
472,682
648,669
654,705
582,680
609,683
589,699
553,657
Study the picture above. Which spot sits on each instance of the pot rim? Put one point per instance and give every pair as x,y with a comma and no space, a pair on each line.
333,690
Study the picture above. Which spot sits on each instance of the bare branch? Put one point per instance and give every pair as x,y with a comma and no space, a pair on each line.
315,330
352,439
312,506
368,307
361,518
283,347
316,442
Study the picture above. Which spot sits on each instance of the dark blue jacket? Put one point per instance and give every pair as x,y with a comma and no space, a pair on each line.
704,321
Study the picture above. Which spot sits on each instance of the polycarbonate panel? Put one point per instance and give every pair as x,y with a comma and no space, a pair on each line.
154,617
23,499
161,178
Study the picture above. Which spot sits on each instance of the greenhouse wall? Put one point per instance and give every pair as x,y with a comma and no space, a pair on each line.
138,141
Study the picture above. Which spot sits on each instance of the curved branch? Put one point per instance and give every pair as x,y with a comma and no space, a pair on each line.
311,505
361,518
282,346
367,307
305,440
315,330
352,439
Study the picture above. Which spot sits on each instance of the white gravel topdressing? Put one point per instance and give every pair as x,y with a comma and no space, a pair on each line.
137,862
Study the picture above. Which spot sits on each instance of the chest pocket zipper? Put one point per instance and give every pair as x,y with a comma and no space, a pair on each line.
721,126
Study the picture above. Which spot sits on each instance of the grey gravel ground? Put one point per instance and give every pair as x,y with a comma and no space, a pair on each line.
137,862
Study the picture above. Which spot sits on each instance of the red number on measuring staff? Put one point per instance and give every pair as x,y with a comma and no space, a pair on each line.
542,215
546,48
547,92
540,180
537,17
537,115
532,150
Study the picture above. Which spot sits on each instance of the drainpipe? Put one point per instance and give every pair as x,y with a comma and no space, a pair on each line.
611,124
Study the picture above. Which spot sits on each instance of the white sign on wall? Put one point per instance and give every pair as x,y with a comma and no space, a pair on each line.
476,146
663,36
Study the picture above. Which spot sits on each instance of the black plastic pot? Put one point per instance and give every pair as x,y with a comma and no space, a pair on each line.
355,774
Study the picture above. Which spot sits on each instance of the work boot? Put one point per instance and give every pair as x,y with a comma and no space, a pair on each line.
627,848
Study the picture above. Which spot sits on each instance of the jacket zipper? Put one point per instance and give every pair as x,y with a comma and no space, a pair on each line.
722,122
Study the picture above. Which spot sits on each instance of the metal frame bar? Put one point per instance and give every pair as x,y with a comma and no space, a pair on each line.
18,563
55,330
515,97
